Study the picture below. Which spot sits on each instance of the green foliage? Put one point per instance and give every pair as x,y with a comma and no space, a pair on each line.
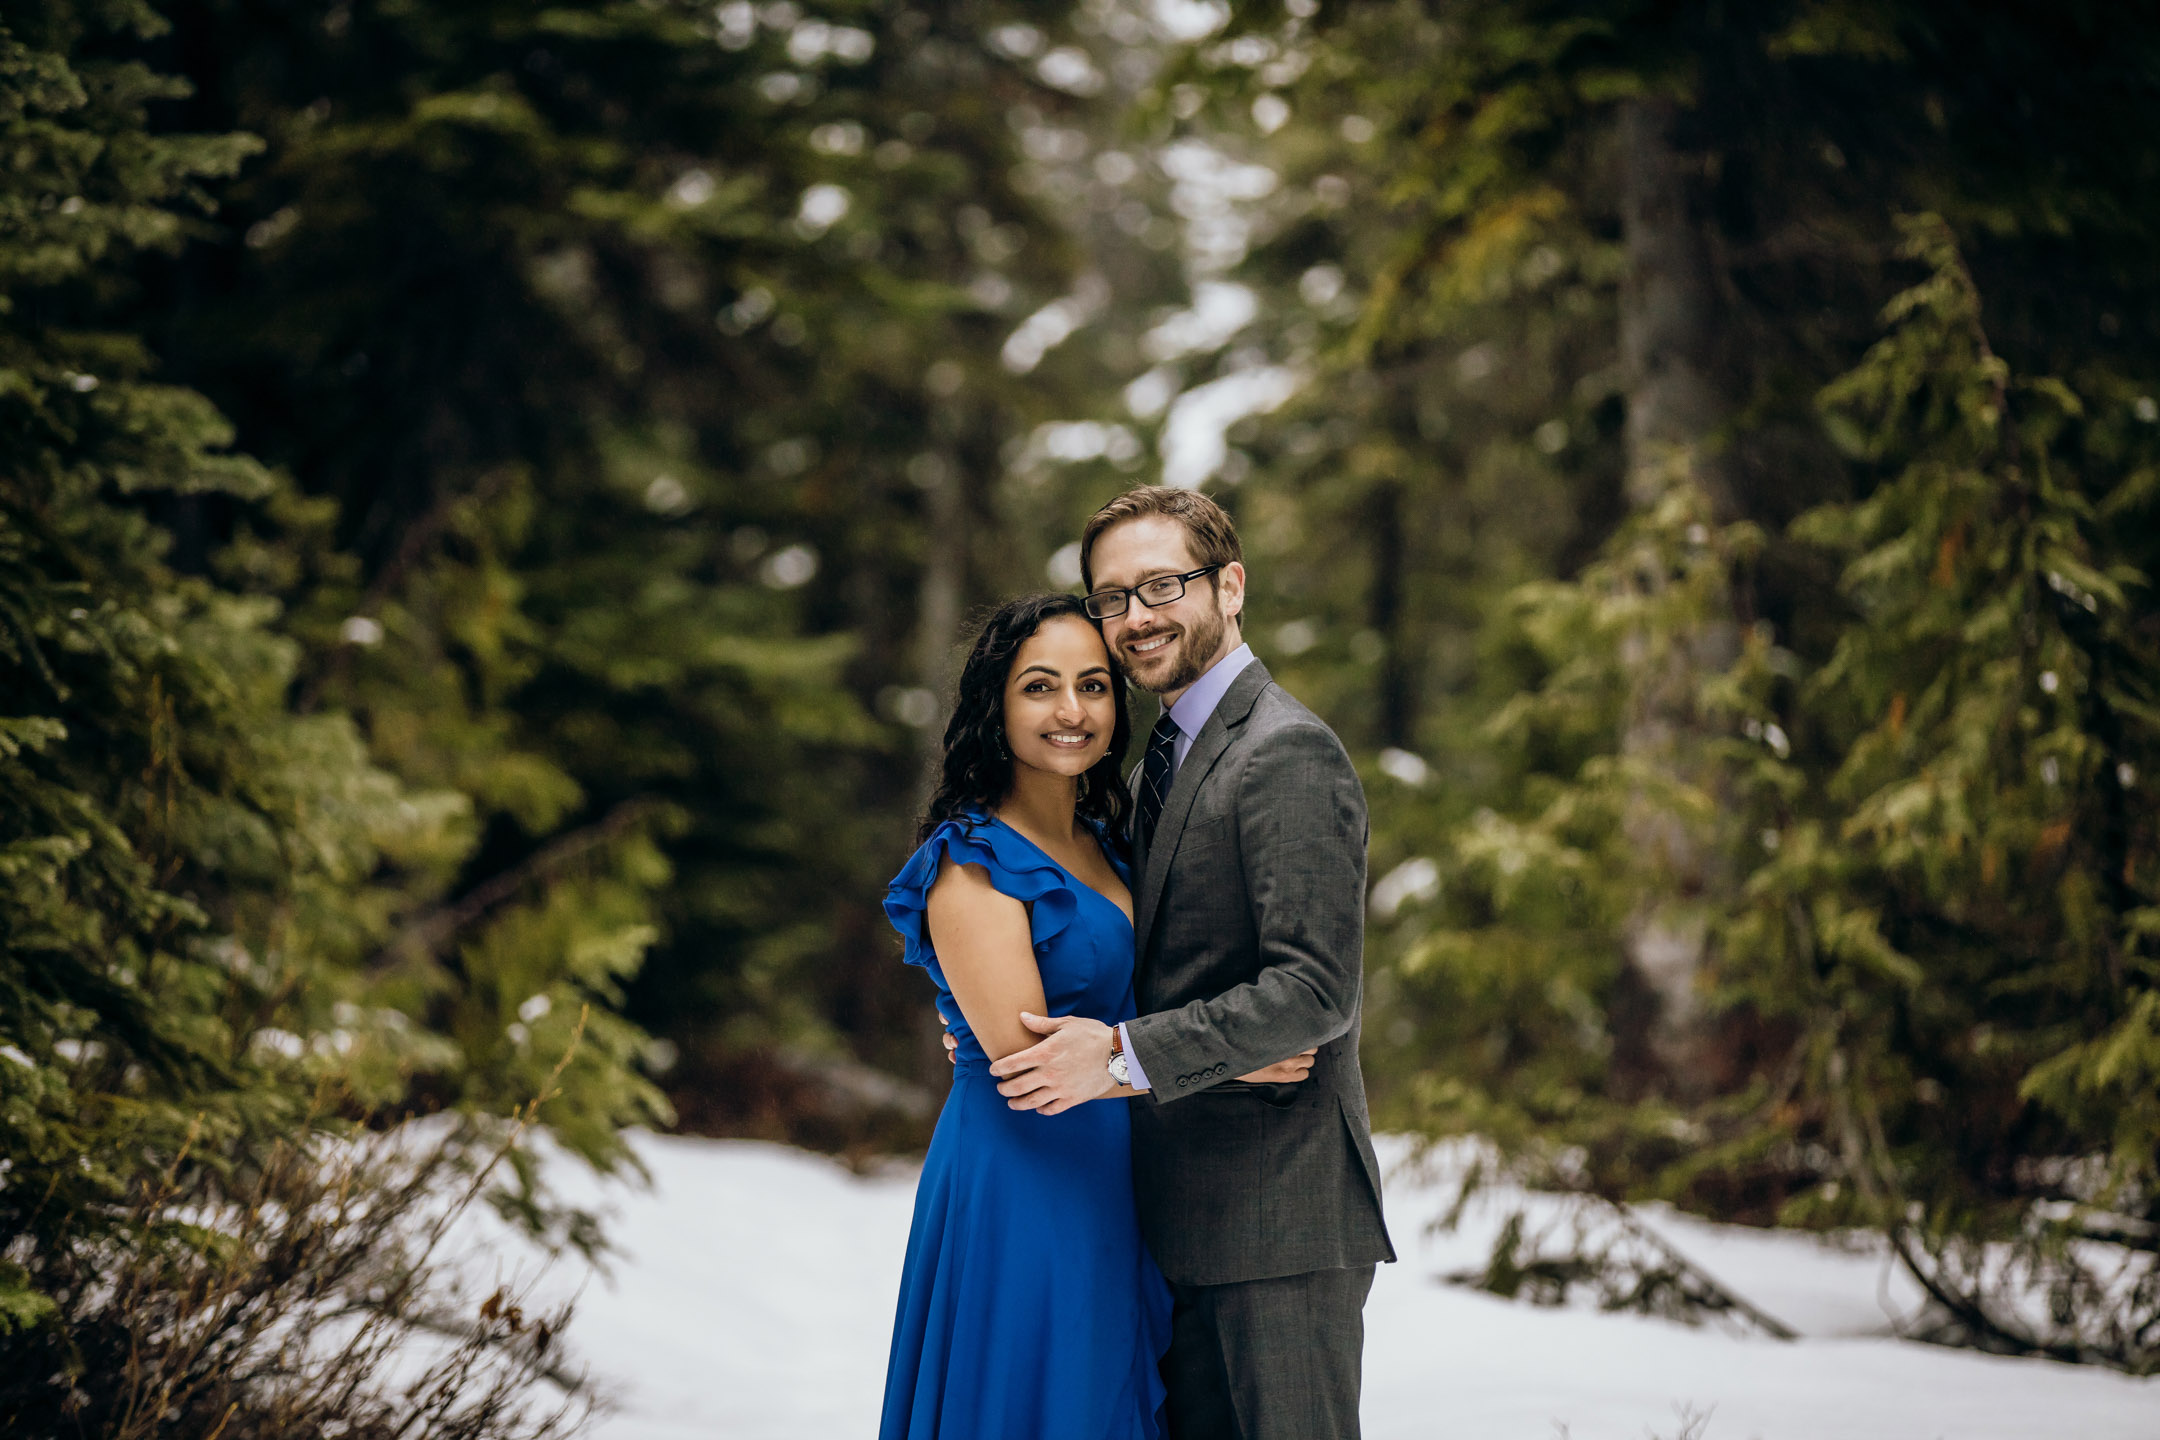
147,738
1935,987
1968,918
1862,722
628,340
193,870
1517,973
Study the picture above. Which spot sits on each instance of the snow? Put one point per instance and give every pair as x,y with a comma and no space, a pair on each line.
753,1290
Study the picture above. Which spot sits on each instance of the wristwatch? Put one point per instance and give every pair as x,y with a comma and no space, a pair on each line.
1119,1074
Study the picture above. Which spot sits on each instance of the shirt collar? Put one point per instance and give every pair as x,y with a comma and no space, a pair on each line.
1195,706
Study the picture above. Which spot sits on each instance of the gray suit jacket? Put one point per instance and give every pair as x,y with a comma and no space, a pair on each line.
1250,928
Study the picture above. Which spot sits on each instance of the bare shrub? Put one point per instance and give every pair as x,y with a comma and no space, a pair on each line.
299,1292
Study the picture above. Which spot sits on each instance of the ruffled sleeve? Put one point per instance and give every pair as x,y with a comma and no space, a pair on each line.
1016,868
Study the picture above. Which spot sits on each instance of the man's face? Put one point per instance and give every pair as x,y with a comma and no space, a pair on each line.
1165,648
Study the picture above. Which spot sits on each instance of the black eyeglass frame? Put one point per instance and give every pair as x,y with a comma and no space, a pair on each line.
1127,594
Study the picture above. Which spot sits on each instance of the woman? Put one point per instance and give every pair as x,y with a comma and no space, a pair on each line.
1029,1307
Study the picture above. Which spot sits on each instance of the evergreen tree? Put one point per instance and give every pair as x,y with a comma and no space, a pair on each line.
188,867
1621,743
156,788
651,354
1959,916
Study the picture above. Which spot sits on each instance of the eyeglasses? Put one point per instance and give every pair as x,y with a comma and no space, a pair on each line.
1155,593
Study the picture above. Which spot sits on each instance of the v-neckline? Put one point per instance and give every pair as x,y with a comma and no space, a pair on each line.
1130,922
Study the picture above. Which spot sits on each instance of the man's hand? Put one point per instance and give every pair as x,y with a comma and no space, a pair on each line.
1070,1067
1284,1072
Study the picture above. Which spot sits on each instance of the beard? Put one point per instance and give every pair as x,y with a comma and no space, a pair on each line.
1193,651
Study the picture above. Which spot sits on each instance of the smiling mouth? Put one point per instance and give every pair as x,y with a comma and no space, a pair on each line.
1151,645
1072,741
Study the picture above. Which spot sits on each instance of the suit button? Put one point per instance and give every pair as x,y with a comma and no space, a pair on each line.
1218,1067
1183,1081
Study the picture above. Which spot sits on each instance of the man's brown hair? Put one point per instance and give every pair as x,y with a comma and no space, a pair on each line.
1207,526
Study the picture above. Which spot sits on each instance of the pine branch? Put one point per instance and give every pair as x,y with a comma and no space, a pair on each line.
1762,1319
438,926
411,546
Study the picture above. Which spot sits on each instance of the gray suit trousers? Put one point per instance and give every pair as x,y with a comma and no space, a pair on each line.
1268,1359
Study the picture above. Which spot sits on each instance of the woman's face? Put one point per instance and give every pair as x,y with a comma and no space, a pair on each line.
1060,698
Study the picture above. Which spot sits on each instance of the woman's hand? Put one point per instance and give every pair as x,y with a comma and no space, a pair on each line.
1284,1072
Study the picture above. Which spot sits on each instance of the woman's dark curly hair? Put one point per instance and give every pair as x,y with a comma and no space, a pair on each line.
978,768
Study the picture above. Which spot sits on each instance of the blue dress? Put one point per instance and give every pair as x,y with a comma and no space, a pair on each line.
1029,1308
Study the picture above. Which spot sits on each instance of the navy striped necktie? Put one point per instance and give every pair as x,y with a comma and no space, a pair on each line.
1155,773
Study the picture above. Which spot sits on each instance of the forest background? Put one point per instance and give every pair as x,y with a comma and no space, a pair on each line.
492,494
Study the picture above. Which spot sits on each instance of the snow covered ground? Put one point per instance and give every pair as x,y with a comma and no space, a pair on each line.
753,1296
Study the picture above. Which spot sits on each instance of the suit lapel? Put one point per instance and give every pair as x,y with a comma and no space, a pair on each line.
1214,738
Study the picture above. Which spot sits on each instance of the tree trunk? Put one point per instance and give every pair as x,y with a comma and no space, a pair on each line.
938,601
1677,407
1390,561
1668,315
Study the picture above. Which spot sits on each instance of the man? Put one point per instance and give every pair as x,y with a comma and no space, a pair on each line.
1261,1202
